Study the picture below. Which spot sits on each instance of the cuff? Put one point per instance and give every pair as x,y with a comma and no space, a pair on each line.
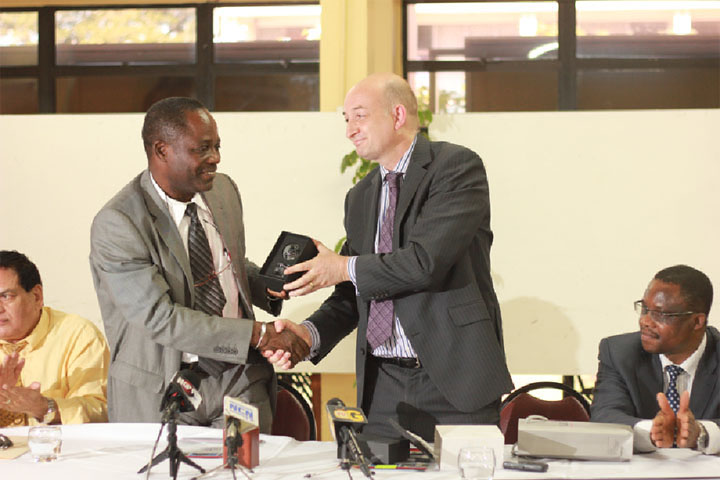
315,336
351,272
641,437
713,431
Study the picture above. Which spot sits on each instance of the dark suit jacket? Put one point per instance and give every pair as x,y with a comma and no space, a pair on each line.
438,275
143,281
629,378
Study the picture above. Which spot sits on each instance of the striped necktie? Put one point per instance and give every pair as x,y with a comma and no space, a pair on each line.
209,297
382,312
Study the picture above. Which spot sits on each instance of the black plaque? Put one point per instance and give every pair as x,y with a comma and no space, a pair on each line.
289,249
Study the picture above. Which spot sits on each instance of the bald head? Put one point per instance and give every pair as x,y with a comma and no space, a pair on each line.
392,90
381,116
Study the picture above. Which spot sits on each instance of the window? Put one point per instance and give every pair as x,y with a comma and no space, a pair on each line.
552,55
118,59
19,49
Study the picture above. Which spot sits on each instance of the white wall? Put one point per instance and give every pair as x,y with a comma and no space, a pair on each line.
586,206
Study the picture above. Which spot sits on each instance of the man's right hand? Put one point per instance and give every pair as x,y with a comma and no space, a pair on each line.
287,341
10,369
662,432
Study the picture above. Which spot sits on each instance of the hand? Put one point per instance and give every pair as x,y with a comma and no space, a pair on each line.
272,293
662,432
687,428
10,369
326,269
24,400
288,338
281,358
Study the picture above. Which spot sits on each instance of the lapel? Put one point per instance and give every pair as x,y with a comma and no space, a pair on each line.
706,377
417,168
372,199
649,380
166,229
224,223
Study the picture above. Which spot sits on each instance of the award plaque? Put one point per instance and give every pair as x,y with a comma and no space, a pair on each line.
289,249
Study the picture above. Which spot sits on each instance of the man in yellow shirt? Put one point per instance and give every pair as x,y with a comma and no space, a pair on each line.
53,365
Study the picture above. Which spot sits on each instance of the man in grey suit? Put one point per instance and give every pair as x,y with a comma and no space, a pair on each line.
146,275
435,356
664,378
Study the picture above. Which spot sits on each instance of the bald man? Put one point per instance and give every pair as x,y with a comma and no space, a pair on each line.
413,276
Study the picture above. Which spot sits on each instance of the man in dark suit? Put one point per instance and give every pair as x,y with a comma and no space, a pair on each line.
174,286
664,378
415,283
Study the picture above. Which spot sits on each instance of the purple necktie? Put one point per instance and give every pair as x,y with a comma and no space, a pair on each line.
380,318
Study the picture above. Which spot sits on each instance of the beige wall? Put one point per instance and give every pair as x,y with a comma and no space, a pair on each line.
586,206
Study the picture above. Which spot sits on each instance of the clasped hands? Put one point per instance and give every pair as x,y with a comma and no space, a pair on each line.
679,428
285,343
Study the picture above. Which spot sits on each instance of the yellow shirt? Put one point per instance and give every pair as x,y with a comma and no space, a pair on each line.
69,356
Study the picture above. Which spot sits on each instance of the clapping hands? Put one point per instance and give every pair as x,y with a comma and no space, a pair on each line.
669,428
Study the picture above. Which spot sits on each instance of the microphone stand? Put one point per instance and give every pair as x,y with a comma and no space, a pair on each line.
344,462
232,443
171,452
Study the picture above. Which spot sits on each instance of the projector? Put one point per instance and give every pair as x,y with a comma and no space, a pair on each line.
539,437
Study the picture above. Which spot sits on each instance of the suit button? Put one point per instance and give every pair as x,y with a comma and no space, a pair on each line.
362,351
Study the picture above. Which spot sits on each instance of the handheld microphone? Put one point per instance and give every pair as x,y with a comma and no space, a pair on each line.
344,419
182,395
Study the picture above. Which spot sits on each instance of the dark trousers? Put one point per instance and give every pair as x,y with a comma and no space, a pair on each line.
410,397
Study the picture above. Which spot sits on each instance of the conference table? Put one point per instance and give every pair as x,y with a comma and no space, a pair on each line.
118,451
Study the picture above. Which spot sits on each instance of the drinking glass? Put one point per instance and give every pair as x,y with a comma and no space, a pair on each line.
476,463
45,442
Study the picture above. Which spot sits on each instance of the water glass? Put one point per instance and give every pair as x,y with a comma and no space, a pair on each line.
45,442
476,463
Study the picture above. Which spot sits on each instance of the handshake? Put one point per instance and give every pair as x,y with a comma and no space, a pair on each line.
284,343
679,428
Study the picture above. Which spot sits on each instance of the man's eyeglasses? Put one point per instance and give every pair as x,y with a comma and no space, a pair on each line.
657,315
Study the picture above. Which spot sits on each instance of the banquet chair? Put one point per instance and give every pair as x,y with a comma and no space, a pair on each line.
520,404
293,415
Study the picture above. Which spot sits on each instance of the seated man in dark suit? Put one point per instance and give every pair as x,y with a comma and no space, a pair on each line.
663,380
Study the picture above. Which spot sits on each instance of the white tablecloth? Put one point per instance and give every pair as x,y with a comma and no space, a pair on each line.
117,451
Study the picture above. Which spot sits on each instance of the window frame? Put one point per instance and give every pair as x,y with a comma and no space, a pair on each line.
204,70
567,65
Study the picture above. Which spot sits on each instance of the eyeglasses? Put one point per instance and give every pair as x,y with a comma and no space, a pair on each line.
657,315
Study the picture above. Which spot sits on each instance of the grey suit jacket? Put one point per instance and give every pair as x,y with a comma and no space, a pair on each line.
629,378
143,281
438,275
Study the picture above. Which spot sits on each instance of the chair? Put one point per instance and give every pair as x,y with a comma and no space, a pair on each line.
293,416
520,404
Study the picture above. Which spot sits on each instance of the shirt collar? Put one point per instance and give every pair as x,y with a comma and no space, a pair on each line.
691,363
36,336
176,208
402,165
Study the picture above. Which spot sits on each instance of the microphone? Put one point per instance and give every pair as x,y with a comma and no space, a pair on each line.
241,436
344,419
182,395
